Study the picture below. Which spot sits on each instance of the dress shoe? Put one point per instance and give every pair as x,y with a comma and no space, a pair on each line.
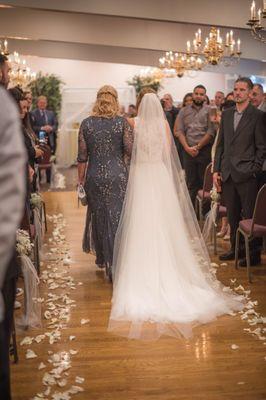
254,260
230,255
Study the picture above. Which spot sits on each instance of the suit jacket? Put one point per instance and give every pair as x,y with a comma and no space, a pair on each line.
240,154
38,120
262,106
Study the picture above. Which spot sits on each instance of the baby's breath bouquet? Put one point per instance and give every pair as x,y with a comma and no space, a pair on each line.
215,196
23,243
36,200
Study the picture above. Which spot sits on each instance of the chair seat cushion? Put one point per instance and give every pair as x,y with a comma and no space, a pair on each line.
258,230
207,195
222,211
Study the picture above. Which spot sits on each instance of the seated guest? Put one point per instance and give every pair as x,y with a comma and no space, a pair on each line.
45,120
240,152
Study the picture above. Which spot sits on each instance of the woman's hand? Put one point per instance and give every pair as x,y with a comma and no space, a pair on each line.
38,152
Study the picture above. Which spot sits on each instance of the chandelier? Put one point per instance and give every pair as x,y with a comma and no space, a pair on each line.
255,21
20,74
176,64
214,49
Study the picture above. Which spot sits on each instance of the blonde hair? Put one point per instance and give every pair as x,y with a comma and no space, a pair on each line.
141,94
106,104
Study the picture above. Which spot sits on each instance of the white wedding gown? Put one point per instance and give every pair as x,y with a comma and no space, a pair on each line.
162,278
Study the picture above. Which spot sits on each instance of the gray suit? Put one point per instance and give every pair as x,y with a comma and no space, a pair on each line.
239,158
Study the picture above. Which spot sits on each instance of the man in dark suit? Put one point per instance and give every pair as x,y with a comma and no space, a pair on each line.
240,153
45,120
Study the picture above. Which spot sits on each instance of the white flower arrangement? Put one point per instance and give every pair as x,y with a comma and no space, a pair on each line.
23,243
215,196
36,200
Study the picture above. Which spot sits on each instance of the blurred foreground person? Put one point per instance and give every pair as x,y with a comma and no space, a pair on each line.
12,183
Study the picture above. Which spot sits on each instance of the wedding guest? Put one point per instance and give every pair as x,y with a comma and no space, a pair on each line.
216,119
187,100
122,111
132,111
33,150
257,99
195,132
230,96
219,99
207,100
12,183
240,153
105,140
171,113
45,120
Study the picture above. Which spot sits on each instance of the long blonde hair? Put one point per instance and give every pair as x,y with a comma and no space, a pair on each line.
106,104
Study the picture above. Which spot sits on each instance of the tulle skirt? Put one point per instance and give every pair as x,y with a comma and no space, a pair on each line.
159,286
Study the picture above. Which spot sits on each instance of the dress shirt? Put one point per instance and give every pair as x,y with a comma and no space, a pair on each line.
195,122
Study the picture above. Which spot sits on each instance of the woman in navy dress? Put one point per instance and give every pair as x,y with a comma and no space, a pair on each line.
105,144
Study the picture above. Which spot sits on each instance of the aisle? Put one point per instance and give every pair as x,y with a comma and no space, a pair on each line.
114,368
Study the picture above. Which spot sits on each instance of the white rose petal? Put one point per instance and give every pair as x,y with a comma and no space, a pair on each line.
84,321
241,383
41,366
72,337
27,340
75,389
62,383
79,379
234,347
30,354
73,352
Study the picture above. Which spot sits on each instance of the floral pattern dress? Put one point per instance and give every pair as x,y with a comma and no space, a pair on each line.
106,145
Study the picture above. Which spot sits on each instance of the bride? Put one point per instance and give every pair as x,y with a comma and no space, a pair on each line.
163,282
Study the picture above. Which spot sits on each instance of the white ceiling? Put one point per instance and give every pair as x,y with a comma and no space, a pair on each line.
124,31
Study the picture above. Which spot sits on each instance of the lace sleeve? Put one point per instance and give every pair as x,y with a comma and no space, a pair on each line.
128,139
82,146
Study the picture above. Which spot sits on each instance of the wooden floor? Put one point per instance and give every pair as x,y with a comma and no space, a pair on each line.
115,368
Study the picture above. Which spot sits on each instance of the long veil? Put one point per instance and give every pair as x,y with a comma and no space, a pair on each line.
155,162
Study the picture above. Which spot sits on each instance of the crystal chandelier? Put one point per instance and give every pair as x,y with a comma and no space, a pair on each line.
20,74
176,64
215,50
255,21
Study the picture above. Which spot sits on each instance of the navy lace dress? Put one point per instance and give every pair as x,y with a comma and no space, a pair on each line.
106,144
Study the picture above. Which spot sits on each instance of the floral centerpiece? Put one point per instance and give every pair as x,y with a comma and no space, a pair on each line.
23,243
149,77
36,200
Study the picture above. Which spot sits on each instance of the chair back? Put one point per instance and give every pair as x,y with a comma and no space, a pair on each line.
207,182
259,215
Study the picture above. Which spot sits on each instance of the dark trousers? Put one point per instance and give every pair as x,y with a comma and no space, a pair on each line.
195,169
9,292
240,201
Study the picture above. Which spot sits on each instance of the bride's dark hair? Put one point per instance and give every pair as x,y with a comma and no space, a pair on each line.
143,91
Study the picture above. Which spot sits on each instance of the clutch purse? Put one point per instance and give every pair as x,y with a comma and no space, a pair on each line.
82,195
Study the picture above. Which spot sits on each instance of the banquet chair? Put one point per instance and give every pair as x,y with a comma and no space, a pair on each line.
203,195
252,228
